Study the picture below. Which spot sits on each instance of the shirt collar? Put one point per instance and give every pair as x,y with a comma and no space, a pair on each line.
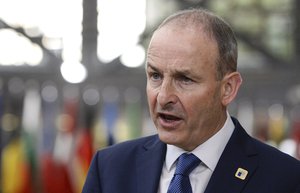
208,152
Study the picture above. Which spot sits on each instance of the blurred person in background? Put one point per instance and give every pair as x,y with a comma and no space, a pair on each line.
191,79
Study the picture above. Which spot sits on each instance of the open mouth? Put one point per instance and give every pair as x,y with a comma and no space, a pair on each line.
168,118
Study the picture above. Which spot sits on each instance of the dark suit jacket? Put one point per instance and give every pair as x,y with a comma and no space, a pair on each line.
135,167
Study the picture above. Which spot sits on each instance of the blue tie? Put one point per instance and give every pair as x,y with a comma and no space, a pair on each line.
180,182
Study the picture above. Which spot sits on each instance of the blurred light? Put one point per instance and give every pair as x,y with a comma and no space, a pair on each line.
60,30
73,72
9,122
91,96
120,24
34,58
134,57
33,31
16,86
22,13
276,111
288,146
49,92
16,49
55,23
52,43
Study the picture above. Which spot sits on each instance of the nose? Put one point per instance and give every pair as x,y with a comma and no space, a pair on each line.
167,94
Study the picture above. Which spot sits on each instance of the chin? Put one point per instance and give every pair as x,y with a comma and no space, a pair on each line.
169,137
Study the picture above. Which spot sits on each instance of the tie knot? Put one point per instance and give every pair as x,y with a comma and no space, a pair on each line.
186,163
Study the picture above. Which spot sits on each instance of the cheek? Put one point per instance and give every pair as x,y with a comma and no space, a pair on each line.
151,95
198,105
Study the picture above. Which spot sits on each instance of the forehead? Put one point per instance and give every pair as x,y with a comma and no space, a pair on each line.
183,48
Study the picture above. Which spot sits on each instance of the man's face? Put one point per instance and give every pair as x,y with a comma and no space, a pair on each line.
183,93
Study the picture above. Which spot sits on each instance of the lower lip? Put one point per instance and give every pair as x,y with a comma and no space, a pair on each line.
169,124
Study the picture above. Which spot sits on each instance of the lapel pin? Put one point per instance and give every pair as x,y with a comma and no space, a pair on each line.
241,173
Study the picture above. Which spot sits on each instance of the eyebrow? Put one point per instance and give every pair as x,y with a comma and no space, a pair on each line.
151,66
185,72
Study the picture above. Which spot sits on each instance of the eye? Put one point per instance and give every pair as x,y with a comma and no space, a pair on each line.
154,76
185,80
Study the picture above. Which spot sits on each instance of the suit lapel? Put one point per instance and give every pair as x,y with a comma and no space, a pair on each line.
149,165
238,161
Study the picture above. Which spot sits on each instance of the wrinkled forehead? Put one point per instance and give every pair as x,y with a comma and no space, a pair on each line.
177,34
181,49
172,39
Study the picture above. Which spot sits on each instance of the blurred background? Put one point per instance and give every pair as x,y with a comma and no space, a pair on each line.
72,81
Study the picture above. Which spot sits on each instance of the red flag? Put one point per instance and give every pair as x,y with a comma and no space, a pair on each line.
83,156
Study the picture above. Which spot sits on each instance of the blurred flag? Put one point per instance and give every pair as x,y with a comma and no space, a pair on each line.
50,111
56,169
296,135
16,173
16,162
56,177
82,159
277,123
129,124
110,112
84,143
295,128
48,167
110,116
99,133
133,112
1,130
31,126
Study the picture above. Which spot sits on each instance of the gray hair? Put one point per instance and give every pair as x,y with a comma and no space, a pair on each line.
216,28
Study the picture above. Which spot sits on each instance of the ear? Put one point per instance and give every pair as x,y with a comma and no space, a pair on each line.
230,87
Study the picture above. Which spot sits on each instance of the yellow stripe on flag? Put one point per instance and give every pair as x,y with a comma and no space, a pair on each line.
13,162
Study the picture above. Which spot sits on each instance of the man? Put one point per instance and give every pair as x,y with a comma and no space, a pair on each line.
191,79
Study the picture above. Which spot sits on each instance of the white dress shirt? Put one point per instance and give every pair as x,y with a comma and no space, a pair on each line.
209,153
